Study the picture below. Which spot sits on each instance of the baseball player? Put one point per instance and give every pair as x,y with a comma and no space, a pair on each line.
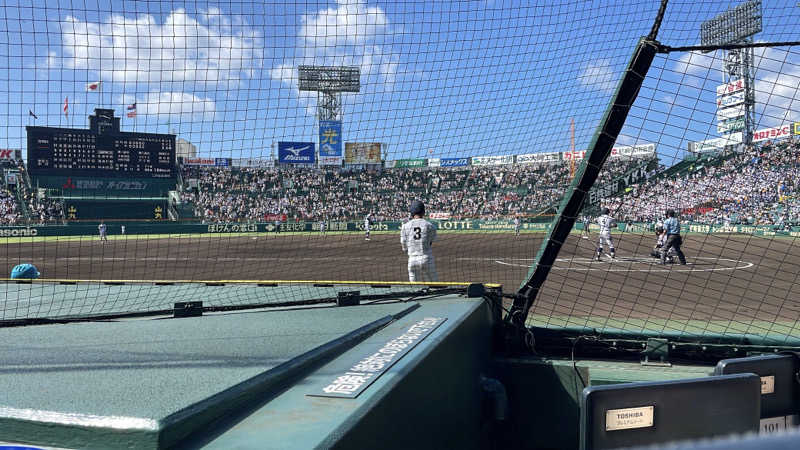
367,223
416,237
102,229
322,226
586,222
123,229
516,226
661,239
606,223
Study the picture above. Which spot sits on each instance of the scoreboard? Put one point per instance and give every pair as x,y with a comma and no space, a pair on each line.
101,151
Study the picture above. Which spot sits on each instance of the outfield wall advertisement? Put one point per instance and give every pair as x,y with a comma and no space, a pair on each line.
167,229
410,163
492,160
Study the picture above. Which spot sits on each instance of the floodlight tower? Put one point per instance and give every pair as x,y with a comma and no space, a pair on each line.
736,26
329,83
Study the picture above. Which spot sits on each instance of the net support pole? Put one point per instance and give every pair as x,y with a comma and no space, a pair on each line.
588,171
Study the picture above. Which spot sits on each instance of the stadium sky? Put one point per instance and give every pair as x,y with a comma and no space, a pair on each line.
441,79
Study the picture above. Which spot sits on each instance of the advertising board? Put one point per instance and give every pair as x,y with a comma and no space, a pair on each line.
199,161
9,155
362,153
730,125
730,88
730,113
772,133
543,157
711,145
576,155
253,162
637,151
410,163
453,162
330,138
492,160
724,101
296,153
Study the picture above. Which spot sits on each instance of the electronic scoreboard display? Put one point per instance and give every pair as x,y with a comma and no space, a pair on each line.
101,151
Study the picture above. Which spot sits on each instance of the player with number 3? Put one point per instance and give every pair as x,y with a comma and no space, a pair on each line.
416,237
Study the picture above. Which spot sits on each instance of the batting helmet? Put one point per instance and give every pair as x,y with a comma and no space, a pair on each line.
417,208
606,211
670,213
24,271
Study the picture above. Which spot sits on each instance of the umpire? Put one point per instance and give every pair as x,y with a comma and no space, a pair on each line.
673,229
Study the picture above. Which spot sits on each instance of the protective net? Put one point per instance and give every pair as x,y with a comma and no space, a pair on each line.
253,152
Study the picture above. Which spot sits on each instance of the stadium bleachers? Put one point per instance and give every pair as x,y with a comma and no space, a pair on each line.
250,194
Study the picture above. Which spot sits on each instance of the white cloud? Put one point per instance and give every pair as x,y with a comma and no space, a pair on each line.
777,87
208,49
598,75
173,104
697,63
777,77
350,34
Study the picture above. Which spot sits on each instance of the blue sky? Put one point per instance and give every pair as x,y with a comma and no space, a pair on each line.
458,78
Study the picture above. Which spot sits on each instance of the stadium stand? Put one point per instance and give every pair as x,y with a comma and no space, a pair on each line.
251,194
757,186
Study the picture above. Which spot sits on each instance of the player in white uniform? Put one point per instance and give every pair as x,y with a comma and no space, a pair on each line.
416,237
102,229
606,223
516,226
322,226
367,223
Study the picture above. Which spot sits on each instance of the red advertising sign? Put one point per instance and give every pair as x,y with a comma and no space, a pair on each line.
576,155
730,88
772,133
274,217
7,154
199,161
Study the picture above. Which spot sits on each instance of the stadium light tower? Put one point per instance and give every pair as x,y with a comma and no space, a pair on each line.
735,26
329,83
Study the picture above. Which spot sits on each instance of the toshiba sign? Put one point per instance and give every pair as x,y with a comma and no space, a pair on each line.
772,133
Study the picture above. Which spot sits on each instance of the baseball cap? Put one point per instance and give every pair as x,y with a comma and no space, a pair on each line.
24,271
417,208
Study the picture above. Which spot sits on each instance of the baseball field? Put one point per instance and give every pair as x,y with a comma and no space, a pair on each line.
724,283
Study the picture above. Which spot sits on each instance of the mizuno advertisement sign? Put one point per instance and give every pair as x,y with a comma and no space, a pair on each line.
296,153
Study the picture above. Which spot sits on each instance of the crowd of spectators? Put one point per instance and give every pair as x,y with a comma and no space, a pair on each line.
20,205
254,194
756,186
9,211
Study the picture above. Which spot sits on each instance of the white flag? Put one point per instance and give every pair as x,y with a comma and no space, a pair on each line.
91,87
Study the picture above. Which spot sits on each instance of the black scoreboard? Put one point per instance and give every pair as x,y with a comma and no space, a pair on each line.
101,151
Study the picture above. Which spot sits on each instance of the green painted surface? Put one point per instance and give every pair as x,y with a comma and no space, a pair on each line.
136,376
429,399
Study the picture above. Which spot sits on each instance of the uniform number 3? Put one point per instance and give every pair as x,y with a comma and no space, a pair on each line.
417,233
